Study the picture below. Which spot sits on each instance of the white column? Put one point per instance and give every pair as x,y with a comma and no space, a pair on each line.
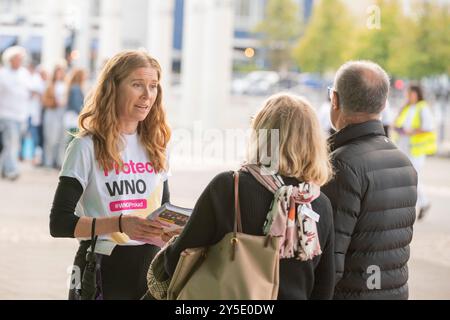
207,60
54,33
25,30
160,36
110,41
83,34
217,61
192,61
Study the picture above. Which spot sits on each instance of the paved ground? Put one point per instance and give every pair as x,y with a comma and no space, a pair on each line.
34,266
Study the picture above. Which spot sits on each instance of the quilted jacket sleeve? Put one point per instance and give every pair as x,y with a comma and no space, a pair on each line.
345,194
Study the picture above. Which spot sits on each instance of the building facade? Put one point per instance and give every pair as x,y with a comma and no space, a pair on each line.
81,30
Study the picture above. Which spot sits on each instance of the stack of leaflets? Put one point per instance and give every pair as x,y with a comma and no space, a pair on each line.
171,217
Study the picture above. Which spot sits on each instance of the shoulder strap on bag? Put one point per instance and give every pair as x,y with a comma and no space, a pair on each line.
93,236
271,182
90,256
237,216
237,206
89,287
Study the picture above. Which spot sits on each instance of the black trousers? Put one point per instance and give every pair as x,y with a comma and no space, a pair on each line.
123,273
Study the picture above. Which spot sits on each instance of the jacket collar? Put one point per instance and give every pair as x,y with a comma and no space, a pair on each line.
355,131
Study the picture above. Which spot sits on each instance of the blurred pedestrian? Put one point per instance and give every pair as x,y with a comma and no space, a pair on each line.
35,119
417,137
387,118
75,101
76,90
373,193
15,92
54,101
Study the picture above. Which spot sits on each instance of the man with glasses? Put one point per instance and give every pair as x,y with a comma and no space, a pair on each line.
374,190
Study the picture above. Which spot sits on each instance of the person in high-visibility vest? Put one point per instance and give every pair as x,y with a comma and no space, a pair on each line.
416,136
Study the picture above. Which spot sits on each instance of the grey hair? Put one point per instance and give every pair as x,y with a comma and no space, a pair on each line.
11,52
362,86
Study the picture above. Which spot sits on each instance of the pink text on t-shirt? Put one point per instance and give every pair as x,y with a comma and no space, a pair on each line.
131,167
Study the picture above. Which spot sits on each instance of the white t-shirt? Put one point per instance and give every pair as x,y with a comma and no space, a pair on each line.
38,86
15,93
386,115
61,93
135,188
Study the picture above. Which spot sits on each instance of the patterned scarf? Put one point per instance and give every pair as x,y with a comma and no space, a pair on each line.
290,215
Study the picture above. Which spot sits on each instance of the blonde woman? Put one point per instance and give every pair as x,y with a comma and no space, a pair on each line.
303,157
54,102
113,171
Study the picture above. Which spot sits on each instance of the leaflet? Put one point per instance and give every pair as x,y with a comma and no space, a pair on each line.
171,217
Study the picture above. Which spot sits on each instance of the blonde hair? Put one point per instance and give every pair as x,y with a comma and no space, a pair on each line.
77,77
99,117
303,149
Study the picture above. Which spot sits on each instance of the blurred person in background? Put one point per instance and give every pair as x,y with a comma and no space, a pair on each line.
54,103
416,137
35,119
387,118
75,100
15,93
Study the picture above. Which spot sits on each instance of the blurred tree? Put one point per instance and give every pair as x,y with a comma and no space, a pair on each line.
327,38
245,67
279,29
424,47
379,43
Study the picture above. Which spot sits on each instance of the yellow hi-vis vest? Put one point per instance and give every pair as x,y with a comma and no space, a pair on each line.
422,143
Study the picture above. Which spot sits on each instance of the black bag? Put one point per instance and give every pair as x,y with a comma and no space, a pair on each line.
90,282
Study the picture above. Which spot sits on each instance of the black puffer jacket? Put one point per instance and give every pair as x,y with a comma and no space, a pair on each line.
373,196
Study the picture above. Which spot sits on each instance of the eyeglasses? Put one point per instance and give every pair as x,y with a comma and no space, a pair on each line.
331,90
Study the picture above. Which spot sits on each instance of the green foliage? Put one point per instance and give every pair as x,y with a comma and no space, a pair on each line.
326,39
379,43
425,50
279,29
408,46
412,46
245,67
